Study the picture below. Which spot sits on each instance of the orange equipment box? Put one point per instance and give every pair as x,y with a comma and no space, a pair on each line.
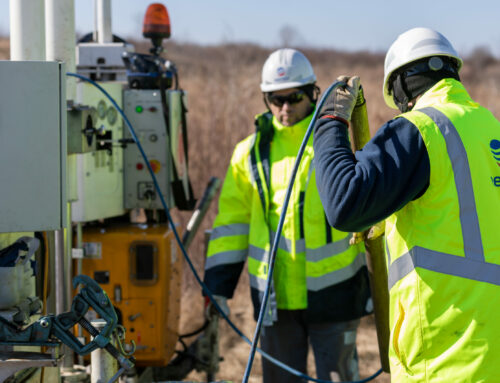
140,268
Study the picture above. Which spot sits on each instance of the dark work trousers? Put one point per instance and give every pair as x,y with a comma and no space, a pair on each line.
333,345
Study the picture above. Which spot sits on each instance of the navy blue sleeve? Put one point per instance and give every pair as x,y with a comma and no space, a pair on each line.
361,189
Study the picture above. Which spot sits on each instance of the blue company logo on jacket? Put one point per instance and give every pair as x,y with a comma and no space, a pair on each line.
495,150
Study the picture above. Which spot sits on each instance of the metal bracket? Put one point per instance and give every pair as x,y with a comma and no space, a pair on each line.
14,361
51,330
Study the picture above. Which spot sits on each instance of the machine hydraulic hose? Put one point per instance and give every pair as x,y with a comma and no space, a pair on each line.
183,250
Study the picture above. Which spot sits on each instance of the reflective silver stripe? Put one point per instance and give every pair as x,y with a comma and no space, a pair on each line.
257,283
300,245
249,164
311,168
286,244
387,251
337,276
249,158
473,246
229,230
225,258
472,266
262,255
443,263
328,250
258,254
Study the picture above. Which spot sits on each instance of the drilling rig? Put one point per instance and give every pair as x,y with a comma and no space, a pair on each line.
92,264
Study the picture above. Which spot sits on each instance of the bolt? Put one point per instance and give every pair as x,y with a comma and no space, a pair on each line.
44,323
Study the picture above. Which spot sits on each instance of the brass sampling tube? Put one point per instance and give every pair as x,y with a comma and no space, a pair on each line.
375,255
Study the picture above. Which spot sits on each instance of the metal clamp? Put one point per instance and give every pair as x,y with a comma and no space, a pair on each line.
51,330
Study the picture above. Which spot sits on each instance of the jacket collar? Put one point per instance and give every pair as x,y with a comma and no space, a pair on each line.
298,128
443,92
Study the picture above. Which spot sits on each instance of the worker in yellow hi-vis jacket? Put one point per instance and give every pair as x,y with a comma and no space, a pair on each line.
320,285
431,172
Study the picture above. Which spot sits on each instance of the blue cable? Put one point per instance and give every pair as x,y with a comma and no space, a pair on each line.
188,260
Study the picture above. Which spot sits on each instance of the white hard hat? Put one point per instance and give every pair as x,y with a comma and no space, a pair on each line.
413,45
286,68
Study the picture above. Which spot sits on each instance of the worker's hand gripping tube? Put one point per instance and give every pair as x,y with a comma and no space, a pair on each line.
340,102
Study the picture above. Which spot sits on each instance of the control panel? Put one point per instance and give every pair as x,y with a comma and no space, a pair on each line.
144,110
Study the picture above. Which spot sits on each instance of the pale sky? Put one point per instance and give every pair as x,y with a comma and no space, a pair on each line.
347,25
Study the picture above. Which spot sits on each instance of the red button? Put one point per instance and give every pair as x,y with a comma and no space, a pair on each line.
139,166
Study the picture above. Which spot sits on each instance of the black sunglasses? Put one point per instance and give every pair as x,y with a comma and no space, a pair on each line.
292,98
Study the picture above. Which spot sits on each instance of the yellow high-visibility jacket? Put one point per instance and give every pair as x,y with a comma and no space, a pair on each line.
443,248
315,268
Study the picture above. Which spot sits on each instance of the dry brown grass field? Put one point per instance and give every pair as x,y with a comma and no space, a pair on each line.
224,96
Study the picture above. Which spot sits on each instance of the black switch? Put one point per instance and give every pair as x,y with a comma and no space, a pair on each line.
101,277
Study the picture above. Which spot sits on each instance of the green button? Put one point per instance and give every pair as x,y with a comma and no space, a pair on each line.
139,109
